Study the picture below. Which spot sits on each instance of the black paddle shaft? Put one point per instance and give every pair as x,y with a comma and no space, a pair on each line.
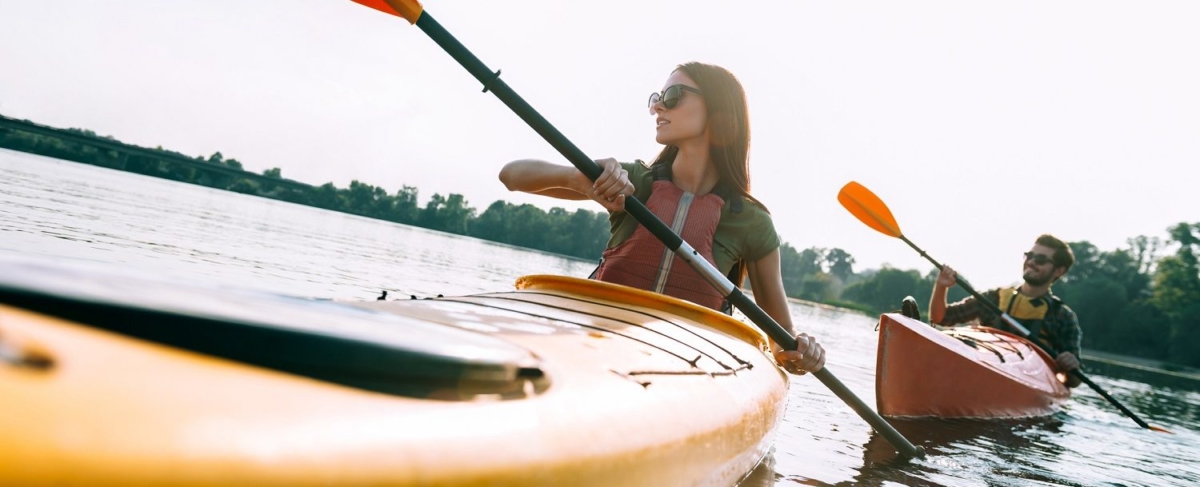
996,309
492,82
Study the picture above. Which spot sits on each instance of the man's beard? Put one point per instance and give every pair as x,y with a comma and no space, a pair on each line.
1036,281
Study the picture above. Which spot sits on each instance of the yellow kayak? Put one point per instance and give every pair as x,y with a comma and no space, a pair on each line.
114,380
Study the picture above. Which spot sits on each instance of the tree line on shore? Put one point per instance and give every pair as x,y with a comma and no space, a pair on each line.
1141,300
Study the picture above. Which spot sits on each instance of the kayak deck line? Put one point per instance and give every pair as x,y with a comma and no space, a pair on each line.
606,325
691,362
994,347
643,313
690,372
513,297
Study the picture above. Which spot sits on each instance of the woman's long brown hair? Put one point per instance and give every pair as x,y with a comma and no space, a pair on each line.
728,124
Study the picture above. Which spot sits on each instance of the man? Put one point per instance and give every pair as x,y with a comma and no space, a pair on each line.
1048,320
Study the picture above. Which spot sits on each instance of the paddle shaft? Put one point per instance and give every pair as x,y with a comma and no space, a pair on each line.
492,82
1024,332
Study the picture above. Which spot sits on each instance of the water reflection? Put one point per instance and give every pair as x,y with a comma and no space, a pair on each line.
956,449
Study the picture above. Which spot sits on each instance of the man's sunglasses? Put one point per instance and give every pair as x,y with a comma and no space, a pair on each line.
670,96
1039,259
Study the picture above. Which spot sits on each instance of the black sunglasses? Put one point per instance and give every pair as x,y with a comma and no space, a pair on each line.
1039,259
670,96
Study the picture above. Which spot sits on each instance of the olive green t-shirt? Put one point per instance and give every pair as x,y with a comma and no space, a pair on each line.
747,235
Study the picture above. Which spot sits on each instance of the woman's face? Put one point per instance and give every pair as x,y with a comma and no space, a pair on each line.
687,120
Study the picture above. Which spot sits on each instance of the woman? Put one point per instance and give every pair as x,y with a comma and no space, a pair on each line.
699,185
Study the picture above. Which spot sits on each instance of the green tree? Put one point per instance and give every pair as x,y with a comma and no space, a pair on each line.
789,267
1177,280
1099,288
404,208
244,186
492,224
811,261
180,172
1099,304
529,227
884,290
1141,329
365,199
447,214
588,233
840,264
803,275
1177,293
559,242
818,287
327,196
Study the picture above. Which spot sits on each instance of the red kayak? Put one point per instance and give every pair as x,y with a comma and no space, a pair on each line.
963,372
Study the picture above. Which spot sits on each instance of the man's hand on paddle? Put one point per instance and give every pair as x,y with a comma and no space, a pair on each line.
1067,361
809,356
947,277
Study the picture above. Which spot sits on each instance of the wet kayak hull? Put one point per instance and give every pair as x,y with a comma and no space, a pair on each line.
968,372
618,387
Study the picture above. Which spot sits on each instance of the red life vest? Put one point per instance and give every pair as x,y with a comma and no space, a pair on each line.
645,263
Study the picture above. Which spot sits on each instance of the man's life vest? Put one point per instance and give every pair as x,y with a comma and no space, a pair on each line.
1031,313
645,263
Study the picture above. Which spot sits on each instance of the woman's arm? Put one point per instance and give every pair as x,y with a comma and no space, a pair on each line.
766,280
565,182
541,177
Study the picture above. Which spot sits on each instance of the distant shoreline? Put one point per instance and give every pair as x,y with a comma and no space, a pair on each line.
1143,367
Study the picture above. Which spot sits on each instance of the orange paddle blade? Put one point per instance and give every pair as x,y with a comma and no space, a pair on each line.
409,9
868,208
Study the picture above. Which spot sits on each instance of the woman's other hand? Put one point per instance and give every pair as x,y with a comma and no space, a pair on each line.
809,356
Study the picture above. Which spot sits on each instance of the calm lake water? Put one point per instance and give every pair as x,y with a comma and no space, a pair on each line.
63,210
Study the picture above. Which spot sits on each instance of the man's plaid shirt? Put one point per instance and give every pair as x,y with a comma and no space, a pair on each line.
1059,329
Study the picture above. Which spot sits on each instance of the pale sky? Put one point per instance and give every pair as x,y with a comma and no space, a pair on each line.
982,125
